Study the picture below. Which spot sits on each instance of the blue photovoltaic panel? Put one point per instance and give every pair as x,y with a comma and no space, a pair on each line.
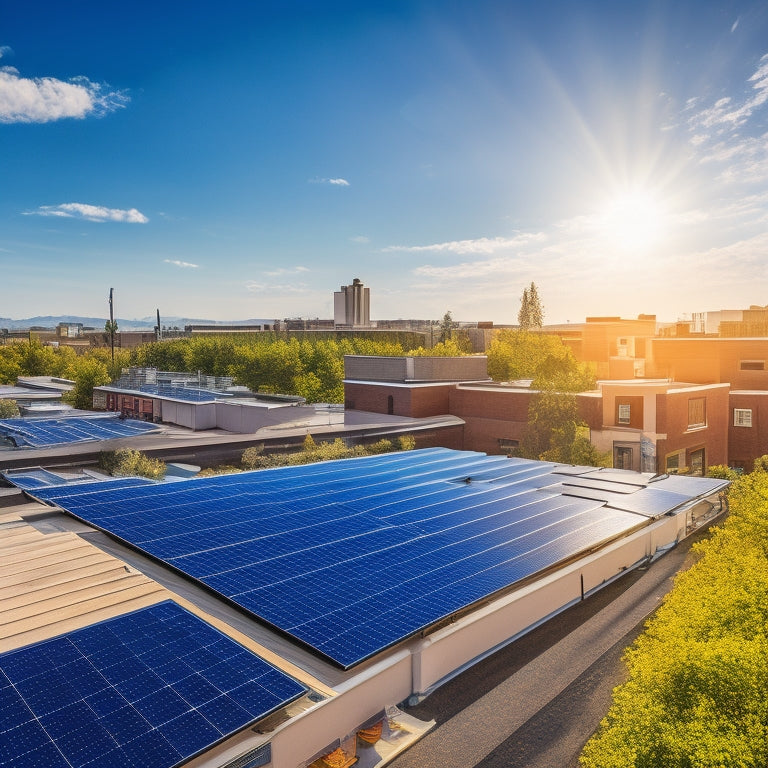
41,433
187,394
150,688
350,557
63,489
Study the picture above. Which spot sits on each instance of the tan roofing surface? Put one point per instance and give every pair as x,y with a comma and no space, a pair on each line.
53,583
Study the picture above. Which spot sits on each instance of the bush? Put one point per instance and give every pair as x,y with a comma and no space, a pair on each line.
253,457
381,446
721,472
406,442
127,462
697,693
8,409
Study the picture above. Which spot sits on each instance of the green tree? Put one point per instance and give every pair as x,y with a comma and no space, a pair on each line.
555,432
697,688
448,348
87,373
531,314
10,365
446,327
543,359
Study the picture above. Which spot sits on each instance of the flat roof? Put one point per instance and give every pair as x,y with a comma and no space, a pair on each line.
195,395
100,664
349,558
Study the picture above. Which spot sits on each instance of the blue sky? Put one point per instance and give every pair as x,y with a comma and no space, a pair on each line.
242,160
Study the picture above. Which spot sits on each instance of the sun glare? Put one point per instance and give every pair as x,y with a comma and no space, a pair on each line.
633,222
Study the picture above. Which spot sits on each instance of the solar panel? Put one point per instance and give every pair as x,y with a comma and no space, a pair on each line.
350,557
187,394
41,433
151,688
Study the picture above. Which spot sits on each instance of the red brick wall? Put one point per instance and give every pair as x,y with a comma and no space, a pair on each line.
747,443
635,403
672,420
490,415
417,402
430,401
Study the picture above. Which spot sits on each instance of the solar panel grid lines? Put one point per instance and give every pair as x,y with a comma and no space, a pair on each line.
439,598
154,687
422,577
650,501
41,433
436,550
308,549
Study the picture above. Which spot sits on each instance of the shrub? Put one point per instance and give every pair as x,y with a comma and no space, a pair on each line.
722,472
8,409
253,457
381,446
406,442
127,462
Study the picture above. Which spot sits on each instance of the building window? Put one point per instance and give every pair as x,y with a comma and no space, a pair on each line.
752,365
622,457
697,462
390,405
673,463
624,413
742,417
508,445
697,412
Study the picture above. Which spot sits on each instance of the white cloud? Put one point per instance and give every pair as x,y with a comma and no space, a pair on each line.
360,239
276,290
289,271
91,213
43,99
183,264
727,113
334,182
478,245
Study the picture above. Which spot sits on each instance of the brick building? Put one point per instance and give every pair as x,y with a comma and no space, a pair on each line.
646,425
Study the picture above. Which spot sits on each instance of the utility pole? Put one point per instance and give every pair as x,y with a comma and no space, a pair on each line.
111,327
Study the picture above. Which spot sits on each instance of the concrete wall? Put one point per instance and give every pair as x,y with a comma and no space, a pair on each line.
297,740
191,415
404,369
245,418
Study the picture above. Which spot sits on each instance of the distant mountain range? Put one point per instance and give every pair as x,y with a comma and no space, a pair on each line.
123,324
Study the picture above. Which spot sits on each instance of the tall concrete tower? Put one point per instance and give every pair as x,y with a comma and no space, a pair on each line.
351,306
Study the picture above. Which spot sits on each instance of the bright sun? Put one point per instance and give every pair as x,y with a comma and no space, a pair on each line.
633,222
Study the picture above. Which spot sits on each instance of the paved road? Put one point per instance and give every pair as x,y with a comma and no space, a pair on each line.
535,703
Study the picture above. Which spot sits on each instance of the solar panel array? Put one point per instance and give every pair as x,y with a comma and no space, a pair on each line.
149,688
42,433
41,481
350,557
188,394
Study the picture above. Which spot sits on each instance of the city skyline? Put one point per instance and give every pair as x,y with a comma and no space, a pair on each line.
244,162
